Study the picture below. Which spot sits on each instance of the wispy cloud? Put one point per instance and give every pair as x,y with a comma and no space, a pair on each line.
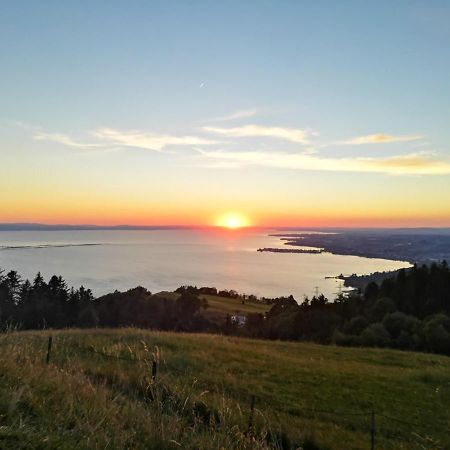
289,134
145,140
234,116
23,125
380,138
63,139
410,164
105,138
109,139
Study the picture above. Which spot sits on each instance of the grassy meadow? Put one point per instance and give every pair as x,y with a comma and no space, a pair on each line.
224,305
97,392
234,305
219,307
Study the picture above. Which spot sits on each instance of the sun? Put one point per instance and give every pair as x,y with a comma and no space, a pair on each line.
232,221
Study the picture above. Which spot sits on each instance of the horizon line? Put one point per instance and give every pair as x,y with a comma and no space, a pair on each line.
36,226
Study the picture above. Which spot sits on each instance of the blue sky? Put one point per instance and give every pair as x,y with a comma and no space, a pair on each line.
349,93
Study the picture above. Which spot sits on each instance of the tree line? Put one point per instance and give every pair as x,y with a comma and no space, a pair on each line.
409,311
227,293
40,304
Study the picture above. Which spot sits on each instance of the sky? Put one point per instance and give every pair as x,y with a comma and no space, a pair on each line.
290,113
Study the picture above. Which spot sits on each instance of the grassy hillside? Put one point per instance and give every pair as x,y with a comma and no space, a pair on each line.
219,307
225,305
97,392
234,305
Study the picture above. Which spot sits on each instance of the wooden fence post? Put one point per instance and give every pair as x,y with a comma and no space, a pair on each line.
252,412
372,430
154,370
155,363
49,348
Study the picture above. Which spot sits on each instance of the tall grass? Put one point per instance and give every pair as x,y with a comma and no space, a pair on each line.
100,391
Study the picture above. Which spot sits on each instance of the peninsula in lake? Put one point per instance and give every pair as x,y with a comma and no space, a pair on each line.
415,245
311,251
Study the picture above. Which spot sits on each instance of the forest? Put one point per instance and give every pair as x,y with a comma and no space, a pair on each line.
409,311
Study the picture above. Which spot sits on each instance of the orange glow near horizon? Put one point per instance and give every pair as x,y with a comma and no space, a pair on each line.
134,200
230,221
101,210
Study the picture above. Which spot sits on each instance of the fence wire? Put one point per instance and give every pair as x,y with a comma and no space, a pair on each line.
424,441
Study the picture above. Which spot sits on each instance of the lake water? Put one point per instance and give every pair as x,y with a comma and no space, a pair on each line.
166,259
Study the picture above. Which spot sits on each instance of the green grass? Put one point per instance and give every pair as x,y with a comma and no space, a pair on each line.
234,305
224,305
97,393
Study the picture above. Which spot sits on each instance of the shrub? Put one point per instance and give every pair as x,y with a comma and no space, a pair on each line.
340,338
356,325
88,318
437,334
381,307
375,335
397,323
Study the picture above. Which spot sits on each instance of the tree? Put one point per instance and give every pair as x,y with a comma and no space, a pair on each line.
371,291
13,281
437,333
380,308
356,325
188,306
397,323
87,318
375,335
38,282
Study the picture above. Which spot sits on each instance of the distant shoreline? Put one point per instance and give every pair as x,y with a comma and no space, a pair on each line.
277,230
28,247
359,282
409,247
290,250
62,227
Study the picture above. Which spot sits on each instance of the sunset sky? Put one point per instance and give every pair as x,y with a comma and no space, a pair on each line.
286,113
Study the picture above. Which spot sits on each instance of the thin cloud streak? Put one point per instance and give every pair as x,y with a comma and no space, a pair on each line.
23,125
410,164
234,116
148,141
108,137
63,139
289,134
380,138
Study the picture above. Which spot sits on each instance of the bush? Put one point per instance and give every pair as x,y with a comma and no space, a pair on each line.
381,307
356,325
410,341
87,318
343,339
398,323
437,333
375,335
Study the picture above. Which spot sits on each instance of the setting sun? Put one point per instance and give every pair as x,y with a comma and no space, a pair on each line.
233,221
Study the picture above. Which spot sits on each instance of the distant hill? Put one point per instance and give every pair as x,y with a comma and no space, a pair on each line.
391,231
372,230
61,227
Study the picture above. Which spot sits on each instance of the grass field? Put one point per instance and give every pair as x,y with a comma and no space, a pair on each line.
234,305
220,307
97,393
224,305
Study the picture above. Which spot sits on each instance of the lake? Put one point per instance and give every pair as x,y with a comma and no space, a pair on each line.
166,259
